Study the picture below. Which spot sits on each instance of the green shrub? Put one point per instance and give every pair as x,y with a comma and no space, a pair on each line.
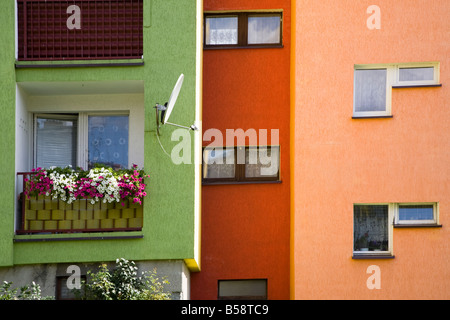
123,283
32,292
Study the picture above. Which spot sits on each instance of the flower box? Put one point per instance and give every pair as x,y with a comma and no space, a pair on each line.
64,200
44,214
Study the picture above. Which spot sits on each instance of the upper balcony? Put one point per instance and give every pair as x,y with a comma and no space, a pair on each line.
72,201
50,30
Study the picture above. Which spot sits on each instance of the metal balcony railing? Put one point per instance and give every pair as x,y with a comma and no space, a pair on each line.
80,29
42,214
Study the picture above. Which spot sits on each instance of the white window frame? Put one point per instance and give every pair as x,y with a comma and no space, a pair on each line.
82,133
434,221
390,74
387,253
393,81
436,73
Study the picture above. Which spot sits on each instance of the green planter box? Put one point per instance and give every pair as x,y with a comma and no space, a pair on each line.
44,214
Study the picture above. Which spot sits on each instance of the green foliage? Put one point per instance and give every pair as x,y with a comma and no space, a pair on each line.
32,292
123,283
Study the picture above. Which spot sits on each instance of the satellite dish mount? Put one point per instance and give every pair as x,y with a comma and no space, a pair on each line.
163,112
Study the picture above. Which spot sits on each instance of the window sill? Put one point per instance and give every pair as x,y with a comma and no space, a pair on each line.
82,236
260,46
372,117
417,225
79,63
239,182
417,86
361,256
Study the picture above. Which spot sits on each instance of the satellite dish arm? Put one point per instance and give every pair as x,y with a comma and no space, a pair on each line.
193,127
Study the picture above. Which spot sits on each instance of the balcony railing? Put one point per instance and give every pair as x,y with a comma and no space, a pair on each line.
80,29
43,214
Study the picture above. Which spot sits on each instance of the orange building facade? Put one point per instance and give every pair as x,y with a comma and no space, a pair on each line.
370,150
357,92
246,93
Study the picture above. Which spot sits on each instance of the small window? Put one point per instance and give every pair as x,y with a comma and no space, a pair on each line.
243,29
221,30
241,164
108,141
371,229
56,140
414,214
420,74
371,93
62,290
264,29
254,289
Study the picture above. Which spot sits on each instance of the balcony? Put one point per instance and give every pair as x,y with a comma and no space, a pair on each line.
51,30
44,209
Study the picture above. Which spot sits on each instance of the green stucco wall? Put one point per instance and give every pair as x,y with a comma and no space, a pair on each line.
7,116
170,48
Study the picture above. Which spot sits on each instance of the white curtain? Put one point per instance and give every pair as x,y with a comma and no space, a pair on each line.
370,90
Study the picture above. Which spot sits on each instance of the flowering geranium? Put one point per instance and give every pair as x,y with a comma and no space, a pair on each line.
98,184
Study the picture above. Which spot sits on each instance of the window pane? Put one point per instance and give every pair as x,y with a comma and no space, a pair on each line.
416,212
264,29
371,228
221,30
218,163
370,90
108,141
56,141
262,162
416,74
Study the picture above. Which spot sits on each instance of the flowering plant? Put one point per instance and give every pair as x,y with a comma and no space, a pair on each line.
97,184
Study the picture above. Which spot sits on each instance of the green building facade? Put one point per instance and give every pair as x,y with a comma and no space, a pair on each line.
170,235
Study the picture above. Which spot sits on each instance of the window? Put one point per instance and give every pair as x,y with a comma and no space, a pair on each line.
372,232
81,140
372,225
56,140
371,94
243,29
221,30
416,75
373,85
254,289
414,214
241,164
62,290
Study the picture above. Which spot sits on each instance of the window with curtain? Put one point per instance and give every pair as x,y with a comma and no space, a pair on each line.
371,223
370,90
243,29
56,140
221,30
241,164
108,141
81,140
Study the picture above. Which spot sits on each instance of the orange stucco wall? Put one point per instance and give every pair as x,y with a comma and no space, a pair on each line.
339,161
245,228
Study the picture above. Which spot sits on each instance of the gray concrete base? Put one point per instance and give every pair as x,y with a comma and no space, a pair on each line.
46,275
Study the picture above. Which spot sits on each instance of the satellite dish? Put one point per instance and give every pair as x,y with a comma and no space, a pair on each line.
163,112
173,98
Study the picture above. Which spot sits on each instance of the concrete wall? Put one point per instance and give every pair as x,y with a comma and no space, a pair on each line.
45,275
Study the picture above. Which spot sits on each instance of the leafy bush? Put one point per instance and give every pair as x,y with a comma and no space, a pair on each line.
32,292
123,283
